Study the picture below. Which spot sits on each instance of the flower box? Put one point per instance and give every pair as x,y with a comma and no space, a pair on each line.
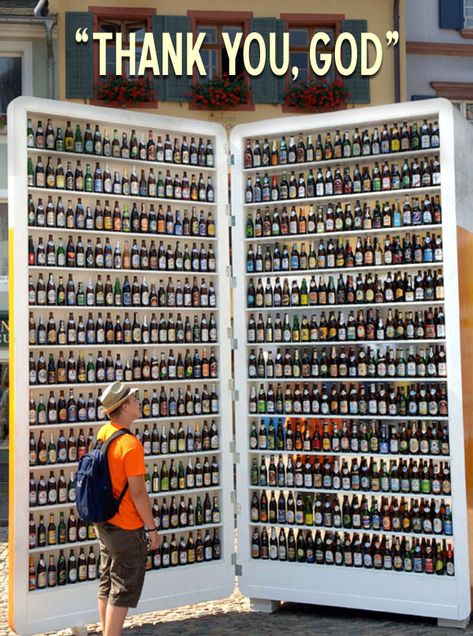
316,95
220,93
121,91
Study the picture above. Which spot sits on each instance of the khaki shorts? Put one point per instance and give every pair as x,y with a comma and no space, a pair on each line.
123,555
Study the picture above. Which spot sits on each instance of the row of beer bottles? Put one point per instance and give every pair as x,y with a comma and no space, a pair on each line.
400,555
126,294
334,253
344,145
334,473
418,174
184,515
96,330
100,368
59,409
60,449
340,218
198,473
65,138
365,325
146,221
372,513
342,363
76,254
59,532
167,516
171,552
366,288
379,399
101,181
351,436
56,490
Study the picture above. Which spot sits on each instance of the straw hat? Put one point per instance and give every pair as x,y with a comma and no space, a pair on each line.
114,395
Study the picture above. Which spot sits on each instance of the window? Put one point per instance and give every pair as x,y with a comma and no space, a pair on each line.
214,54
468,13
301,28
16,74
465,107
124,21
299,43
10,80
125,27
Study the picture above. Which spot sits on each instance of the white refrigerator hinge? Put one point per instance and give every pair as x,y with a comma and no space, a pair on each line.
231,218
233,451
235,394
238,567
233,282
231,159
233,340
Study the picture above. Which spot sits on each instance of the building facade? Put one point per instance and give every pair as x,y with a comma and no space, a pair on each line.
23,71
439,46
266,98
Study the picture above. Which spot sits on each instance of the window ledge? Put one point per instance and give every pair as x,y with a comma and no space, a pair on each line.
298,109
453,90
241,107
467,33
100,102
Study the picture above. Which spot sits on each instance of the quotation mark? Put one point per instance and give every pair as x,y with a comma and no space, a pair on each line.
392,37
82,35
295,72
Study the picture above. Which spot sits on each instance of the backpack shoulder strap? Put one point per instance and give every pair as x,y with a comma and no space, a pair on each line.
104,449
122,431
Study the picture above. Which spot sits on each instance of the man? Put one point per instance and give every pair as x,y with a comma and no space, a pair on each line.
123,544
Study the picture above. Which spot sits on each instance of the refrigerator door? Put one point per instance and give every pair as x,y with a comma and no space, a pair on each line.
53,608
374,585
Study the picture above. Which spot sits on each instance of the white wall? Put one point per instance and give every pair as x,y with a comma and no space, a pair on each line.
422,23
423,69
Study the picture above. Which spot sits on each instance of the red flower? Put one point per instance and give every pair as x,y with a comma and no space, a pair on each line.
219,92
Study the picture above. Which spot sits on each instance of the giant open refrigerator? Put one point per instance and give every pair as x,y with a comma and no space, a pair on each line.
330,376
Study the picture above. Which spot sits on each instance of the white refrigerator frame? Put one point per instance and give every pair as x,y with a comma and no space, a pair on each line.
445,598
75,605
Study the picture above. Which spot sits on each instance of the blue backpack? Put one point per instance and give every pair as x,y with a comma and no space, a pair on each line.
94,495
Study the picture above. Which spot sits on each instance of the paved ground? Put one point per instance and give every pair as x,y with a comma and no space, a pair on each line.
233,616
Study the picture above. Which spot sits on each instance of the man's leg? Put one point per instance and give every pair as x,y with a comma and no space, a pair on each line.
105,583
114,620
103,612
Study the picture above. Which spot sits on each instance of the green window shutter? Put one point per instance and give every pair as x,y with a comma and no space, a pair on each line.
267,88
79,71
159,80
172,88
358,86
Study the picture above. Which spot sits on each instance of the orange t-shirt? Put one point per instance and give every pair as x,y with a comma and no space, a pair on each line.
125,458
